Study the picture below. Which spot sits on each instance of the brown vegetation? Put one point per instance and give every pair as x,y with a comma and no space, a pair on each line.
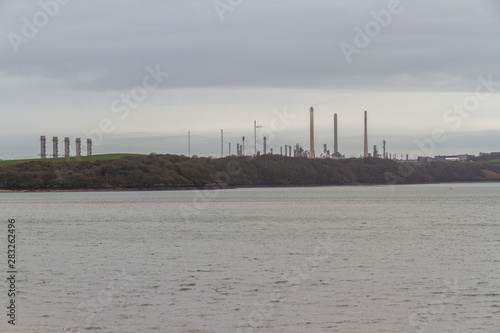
174,171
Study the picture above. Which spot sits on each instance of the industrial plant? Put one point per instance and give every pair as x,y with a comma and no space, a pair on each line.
55,148
288,150
298,151
295,150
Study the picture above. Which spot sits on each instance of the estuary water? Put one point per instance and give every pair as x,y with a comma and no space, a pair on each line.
409,258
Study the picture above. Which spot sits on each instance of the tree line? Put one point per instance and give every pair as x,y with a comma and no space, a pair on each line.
177,171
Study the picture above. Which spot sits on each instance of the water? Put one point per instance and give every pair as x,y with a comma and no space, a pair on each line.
418,258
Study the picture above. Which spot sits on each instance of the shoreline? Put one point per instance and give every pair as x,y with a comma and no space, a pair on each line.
223,187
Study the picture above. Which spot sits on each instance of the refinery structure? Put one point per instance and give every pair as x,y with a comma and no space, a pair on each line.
288,150
67,149
297,150
293,150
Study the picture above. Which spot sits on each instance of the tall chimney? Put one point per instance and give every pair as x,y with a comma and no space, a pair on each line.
66,146
366,137
89,147
311,131
78,147
54,147
43,153
335,140
243,147
221,142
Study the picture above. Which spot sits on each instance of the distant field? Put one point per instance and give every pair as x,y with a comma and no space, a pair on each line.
71,159
498,160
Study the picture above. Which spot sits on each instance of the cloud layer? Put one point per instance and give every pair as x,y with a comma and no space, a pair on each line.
88,53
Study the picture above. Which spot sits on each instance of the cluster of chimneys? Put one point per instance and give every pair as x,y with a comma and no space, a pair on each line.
335,138
55,152
240,147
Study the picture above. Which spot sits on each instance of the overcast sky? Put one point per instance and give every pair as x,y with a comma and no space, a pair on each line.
136,76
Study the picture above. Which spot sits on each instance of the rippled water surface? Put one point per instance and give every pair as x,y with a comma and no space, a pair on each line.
419,258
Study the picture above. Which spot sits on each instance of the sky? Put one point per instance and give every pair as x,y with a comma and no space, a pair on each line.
137,76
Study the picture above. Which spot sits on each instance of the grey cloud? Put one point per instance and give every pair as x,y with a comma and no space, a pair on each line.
264,54
106,46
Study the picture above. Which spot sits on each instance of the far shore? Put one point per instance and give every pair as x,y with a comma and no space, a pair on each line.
218,187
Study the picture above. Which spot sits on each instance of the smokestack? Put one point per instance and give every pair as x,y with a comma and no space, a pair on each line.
43,153
366,137
311,131
335,140
54,147
89,147
78,147
221,142
243,147
265,145
66,146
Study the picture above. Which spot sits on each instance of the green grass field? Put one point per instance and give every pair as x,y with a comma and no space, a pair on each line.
498,160
71,159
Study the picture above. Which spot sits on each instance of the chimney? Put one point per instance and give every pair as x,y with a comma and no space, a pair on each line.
78,147
366,137
89,147
335,140
43,153
54,147
66,146
311,131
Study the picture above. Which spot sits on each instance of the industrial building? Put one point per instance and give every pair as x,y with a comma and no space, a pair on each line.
298,150
67,142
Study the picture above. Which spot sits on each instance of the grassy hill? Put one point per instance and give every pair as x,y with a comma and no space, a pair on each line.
92,158
121,171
